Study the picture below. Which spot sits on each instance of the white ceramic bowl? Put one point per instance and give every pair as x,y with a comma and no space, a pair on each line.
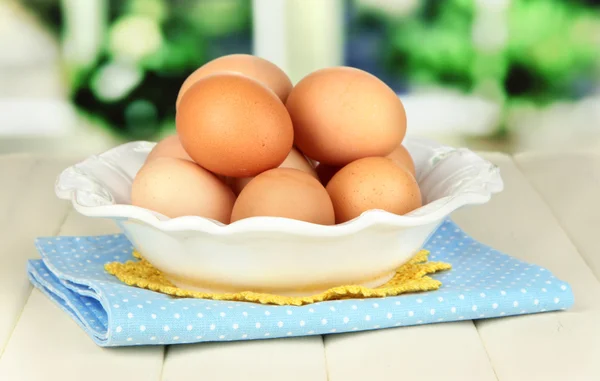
279,255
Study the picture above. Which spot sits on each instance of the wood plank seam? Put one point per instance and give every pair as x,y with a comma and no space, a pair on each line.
487,353
10,211
326,361
12,330
162,365
557,220
22,307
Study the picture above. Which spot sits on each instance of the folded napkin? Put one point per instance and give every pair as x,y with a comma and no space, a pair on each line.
483,283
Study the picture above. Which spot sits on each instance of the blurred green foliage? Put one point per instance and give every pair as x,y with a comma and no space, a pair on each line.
147,49
550,51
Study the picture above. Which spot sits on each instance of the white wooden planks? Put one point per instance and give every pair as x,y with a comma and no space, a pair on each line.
60,348
48,345
449,352
30,210
550,346
570,185
294,359
14,171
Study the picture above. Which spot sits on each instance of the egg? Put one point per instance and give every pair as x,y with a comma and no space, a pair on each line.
285,192
168,147
373,183
234,126
250,66
402,157
176,188
342,114
294,160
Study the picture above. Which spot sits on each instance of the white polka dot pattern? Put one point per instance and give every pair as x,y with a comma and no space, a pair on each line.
483,283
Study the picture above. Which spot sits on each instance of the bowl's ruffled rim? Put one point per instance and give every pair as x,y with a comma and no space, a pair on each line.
92,198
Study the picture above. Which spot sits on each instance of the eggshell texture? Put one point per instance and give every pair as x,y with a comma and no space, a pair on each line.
250,66
294,160
175,188
373,183
285,192
234,126
402,157
343,114
168,147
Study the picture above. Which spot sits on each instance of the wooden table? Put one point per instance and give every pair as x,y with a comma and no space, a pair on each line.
548,214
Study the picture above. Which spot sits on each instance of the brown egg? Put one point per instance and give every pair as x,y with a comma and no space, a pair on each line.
294,160
402,157
254,67
373,183
234,126
168,147
326,172
342,114
175,188
285,192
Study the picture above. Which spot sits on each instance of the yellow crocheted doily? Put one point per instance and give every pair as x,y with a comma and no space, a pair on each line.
410,277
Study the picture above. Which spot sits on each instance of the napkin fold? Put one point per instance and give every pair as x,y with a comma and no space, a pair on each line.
483,283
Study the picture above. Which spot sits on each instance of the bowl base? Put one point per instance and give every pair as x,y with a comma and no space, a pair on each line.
372,283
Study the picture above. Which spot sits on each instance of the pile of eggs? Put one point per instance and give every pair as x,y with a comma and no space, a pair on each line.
249,143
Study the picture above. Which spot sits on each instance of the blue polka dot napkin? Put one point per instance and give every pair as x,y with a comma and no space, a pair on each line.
483,283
